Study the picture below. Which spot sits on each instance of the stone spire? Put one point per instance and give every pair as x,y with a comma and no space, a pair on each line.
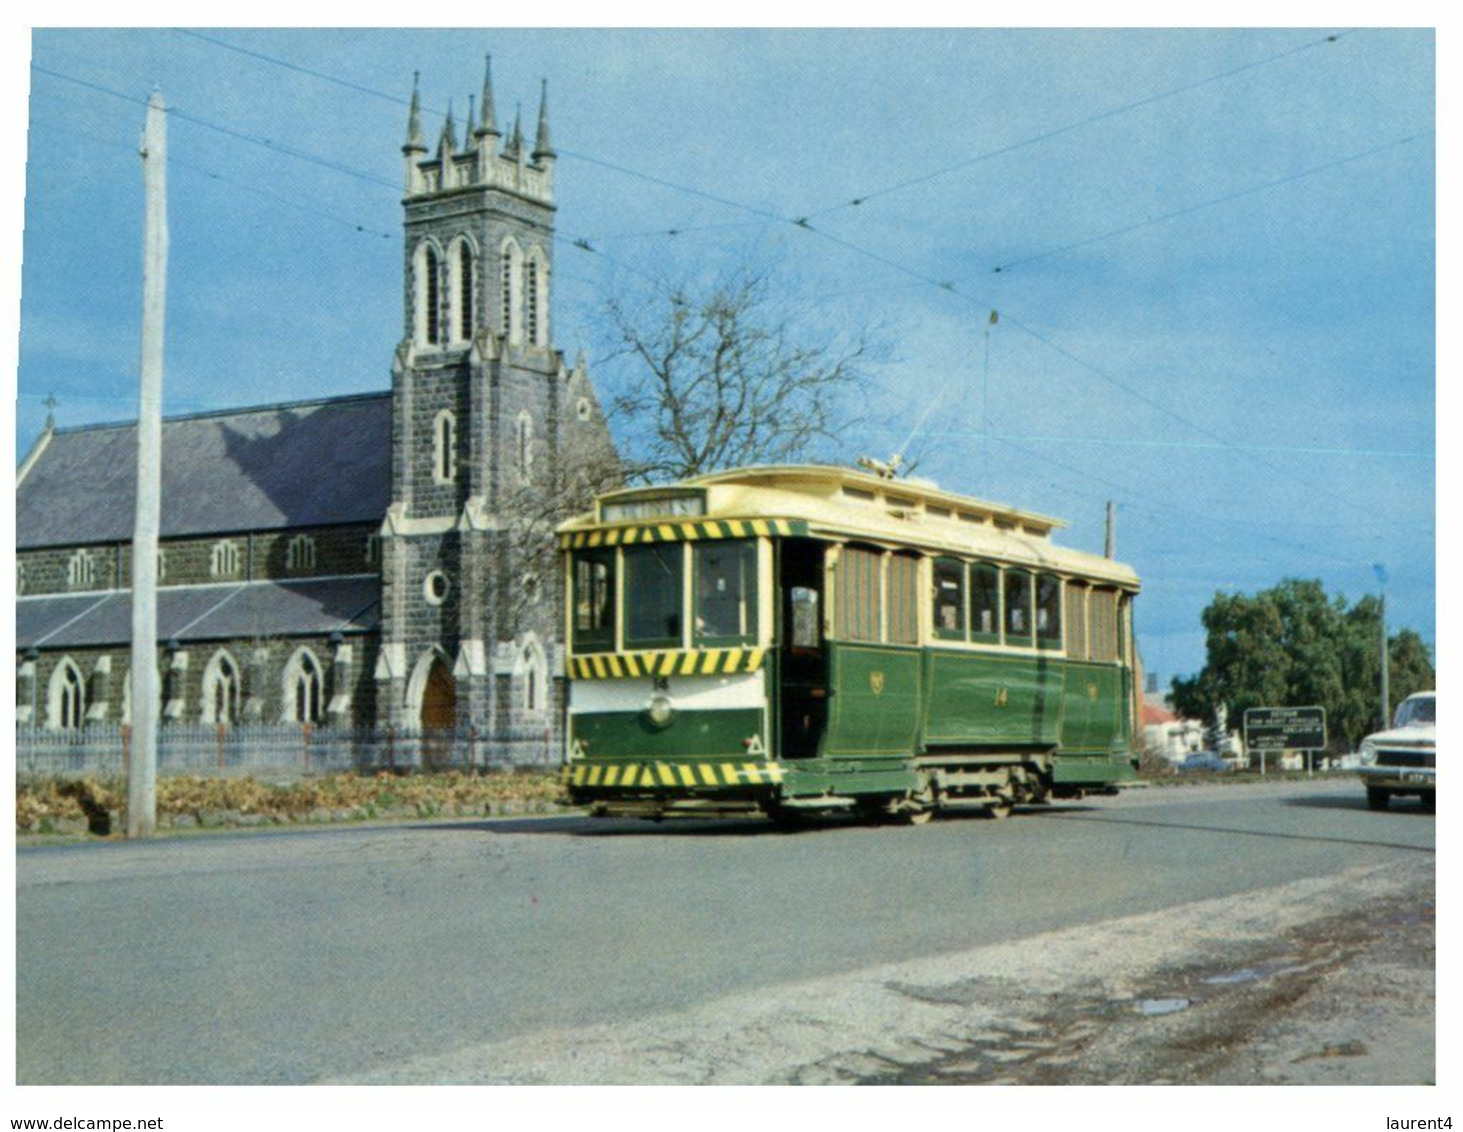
414,142
488,126
448,143
469,131
542,146
515,139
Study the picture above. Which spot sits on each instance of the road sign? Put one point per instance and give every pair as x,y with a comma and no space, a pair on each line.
1285,728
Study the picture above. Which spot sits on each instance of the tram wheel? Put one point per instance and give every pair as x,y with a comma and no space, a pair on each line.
919,808
999,810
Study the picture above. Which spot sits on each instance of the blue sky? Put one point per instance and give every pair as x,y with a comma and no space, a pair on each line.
1247,370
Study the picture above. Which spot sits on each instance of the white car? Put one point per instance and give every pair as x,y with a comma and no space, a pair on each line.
1404,759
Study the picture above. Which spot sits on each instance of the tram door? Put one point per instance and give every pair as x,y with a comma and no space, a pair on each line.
803,664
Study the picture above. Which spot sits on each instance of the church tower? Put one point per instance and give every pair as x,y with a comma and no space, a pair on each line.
483,408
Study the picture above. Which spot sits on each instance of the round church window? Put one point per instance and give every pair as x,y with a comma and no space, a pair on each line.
436,587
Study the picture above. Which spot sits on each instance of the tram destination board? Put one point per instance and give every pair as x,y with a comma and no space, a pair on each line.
1286,728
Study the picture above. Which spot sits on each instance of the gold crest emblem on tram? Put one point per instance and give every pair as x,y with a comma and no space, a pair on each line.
876,682
1003,696
1092,692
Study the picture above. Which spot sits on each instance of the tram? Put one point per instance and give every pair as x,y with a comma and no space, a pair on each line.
804,639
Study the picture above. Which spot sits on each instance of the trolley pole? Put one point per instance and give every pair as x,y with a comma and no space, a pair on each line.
142,768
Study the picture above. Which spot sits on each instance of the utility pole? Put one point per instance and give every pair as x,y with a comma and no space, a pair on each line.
142,769
1381,572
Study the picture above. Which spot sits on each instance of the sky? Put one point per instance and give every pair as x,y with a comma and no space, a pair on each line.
1216,253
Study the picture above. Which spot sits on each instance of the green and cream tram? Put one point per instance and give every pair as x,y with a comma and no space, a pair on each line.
795,639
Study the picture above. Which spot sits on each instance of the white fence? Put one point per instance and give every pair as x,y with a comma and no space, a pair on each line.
280,750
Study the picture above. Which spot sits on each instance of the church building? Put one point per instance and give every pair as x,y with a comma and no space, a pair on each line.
366,561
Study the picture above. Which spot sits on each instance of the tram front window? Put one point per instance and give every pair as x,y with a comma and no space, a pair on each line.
726,591
594,599
653,595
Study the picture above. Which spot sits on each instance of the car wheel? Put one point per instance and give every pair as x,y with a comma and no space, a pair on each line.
1377,798
1430,802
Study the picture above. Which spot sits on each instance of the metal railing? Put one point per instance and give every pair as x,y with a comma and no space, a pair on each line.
281,750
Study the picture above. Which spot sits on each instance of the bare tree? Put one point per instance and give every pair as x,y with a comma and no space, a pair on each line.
721,375
587,467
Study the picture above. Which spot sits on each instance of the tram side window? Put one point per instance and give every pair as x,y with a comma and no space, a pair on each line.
1104,642
653,594
859,593
1048,611
726,590
594,599
949,619
903,599
1018,607
1076,621
985,603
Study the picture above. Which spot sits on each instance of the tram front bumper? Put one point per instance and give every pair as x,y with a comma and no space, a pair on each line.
594,779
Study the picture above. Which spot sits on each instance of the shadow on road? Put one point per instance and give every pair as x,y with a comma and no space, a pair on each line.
1357,802
749,826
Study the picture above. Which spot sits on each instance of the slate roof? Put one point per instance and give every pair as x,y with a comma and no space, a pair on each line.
231,611
297,465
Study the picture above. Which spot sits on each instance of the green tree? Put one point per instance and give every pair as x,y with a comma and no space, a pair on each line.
1293,645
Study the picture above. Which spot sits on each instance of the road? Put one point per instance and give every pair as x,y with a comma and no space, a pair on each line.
340,954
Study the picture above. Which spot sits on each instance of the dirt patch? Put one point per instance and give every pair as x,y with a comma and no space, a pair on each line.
1345,999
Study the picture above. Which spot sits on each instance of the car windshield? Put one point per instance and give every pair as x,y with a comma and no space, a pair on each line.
1417,710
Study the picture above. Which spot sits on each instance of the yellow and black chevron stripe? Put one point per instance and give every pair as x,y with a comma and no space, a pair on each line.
672,662
682,532
647,776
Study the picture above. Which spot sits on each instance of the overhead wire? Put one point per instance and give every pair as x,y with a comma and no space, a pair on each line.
1201,205
803,222
1148,100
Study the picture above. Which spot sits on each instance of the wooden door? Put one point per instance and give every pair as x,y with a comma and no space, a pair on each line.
439,699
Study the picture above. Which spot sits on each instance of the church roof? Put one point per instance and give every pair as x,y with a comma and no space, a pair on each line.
235,611
304,464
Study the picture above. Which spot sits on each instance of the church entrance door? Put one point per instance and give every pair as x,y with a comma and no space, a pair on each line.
439,699
439,716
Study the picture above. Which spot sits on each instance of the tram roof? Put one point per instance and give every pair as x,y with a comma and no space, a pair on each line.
845,502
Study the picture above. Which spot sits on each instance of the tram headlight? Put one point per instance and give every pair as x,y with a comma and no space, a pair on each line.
1367,753
660,711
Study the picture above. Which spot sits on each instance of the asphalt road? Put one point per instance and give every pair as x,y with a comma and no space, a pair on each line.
291,957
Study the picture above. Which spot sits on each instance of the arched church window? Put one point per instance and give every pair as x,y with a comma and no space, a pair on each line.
533,673
525,447
432,300
466,312
224,559
509,297
80,570
531,300
300,553
221,689
67,699
444,447
304,688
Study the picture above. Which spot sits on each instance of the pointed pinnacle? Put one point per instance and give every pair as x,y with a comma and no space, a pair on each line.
414,118
542,146
469,131
449,131
488,126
